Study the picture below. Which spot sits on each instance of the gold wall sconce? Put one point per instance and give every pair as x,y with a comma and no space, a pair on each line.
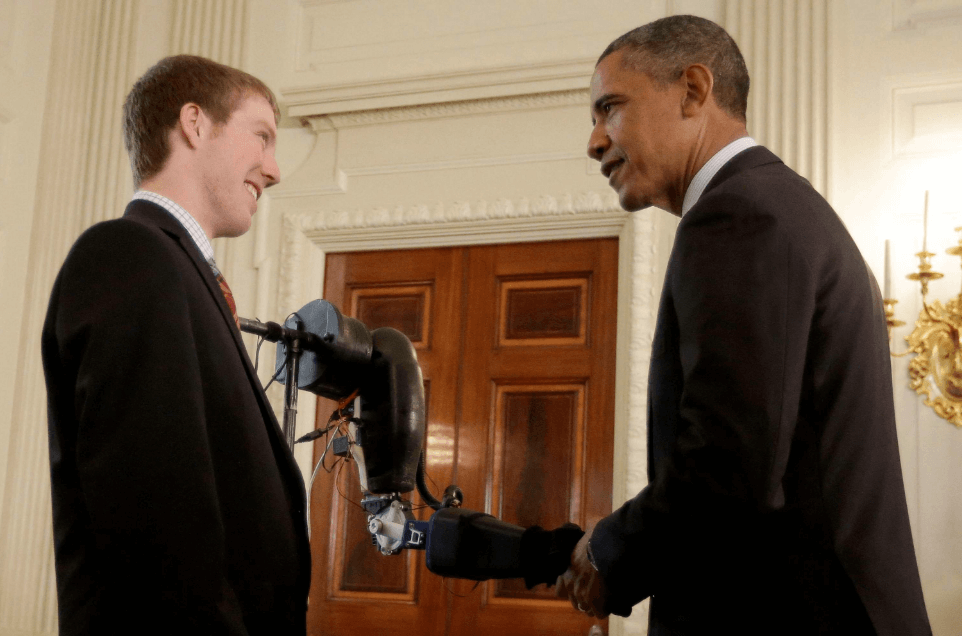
936,369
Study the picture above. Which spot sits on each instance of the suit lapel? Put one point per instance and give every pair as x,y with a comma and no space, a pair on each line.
152,214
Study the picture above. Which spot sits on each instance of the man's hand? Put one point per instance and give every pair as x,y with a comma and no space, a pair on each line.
582,584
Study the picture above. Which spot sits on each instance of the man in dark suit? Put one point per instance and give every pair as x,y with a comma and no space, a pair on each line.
177,506
775,502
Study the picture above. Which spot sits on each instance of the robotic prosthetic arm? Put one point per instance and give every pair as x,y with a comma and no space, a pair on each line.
341,359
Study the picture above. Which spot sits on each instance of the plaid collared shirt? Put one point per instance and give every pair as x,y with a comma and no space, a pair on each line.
184,218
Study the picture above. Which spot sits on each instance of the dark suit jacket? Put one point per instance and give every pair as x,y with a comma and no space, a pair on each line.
775,502
177,506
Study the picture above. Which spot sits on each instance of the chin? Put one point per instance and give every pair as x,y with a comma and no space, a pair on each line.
241,230
631,203
234,230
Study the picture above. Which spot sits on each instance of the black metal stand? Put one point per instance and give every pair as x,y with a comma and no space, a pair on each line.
290,390
296,341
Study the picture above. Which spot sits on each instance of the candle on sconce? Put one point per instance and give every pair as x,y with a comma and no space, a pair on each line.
925,223
888,272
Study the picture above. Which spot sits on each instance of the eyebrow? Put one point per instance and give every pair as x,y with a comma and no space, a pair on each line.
601,100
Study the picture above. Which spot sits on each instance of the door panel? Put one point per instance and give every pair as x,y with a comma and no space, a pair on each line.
517,347
535,470
545,312
404,307
523,363
415,292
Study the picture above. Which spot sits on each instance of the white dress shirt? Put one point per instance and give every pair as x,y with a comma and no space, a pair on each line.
711,168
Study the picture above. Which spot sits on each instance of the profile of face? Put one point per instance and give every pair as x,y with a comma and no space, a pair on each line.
237,163
639,135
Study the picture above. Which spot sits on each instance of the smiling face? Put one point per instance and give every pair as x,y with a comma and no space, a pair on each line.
639,136
237,164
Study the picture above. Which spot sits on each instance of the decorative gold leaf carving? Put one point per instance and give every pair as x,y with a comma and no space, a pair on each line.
936,369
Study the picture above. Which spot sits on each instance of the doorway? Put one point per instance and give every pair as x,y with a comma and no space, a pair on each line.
517,347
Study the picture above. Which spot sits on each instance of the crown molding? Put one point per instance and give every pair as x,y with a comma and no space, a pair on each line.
911,14
529,101
567,216
309,101
439,215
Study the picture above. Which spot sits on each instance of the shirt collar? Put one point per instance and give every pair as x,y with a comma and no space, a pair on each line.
711,168
183,216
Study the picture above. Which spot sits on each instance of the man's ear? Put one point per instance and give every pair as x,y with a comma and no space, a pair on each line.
698,82
193,123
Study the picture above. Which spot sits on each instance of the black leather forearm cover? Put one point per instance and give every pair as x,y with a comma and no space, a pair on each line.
473,545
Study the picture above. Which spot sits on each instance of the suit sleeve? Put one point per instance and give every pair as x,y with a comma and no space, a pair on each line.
741,295
123,325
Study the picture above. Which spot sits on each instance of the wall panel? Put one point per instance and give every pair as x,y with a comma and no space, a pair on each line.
896,78
80,184
785,44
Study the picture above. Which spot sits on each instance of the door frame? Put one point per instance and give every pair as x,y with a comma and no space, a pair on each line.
307,237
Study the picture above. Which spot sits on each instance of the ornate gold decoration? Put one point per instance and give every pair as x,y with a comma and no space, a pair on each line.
890,318
936,369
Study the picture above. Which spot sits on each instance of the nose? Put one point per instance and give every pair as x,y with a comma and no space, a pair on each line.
270,169
598,142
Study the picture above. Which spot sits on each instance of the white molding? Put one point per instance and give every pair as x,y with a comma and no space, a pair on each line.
81,181
3,148
529,79
480,162
410,54
787,49
367,114
910,14
6,134
920,115
211,28
460,223
8,31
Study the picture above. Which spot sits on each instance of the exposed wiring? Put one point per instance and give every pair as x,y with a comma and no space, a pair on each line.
328,447
447,584
333,430
337,487
310,487
320,461
257,351
278,372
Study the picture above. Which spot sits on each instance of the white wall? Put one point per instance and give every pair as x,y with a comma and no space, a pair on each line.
451,123
25,38
23,62
897,131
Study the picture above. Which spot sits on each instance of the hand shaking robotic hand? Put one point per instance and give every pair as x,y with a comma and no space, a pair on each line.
375,377
581,583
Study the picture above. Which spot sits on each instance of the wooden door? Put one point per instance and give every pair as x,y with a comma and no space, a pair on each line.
517,347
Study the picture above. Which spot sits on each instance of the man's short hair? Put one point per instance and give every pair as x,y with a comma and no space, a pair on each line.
663,49
153,105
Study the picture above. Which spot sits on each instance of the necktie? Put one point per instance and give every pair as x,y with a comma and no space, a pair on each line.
225,289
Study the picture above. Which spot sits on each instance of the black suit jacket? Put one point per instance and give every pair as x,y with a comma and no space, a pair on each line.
177,506
775,502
